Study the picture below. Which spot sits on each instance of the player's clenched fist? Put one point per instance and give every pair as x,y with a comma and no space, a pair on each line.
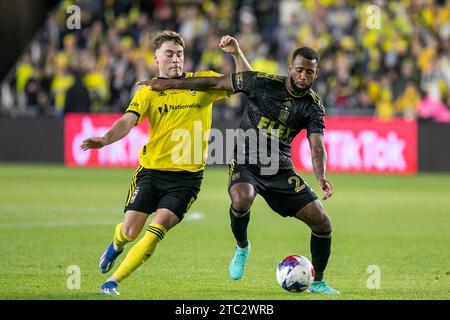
229,44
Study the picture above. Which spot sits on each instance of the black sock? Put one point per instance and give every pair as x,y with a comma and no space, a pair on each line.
239,223
320,252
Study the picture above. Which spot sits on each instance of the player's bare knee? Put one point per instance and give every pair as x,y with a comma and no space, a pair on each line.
131,232
241,201
166,218
241,205
326,224
323,225
319,220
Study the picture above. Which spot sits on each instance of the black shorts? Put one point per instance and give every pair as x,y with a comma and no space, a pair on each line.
285,192
152,189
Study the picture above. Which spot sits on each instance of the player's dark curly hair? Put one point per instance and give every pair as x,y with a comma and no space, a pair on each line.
307,53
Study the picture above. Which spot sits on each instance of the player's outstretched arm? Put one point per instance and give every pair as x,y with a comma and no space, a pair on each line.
194,83
118,130
319,161
231,46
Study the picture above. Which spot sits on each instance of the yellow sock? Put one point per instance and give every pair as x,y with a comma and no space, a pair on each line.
141,251
120,238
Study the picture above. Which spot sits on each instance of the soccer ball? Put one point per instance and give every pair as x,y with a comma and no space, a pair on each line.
295,273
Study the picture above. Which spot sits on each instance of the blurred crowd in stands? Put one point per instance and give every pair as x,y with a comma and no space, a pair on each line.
383,58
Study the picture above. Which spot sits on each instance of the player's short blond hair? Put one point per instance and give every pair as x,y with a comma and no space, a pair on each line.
165,36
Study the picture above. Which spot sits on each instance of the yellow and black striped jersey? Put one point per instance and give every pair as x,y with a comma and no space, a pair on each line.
180,121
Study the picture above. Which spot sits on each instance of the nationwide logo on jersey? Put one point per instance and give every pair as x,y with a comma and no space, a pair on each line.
162,94
166,107
284,115
160,109
192,92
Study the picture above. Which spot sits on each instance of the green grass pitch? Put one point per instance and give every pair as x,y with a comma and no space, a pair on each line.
52,217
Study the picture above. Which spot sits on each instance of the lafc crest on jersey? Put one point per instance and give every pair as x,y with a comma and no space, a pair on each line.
284,115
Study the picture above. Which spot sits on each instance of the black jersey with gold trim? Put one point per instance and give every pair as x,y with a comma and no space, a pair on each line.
276,111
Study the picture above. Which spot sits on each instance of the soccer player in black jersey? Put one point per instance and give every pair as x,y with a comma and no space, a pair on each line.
279,107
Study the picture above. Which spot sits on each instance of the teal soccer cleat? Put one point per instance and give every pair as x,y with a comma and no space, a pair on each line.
108,258
110,288
321,287
237,265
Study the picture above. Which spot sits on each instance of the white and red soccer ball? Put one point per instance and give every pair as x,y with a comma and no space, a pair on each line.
295,273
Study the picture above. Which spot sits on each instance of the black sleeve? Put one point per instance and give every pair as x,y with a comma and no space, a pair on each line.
316,123
244,82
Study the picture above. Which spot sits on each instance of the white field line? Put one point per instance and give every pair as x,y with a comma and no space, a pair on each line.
192,216
67,223
20,208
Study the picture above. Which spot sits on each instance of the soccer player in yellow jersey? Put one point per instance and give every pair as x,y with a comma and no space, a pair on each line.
168,177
